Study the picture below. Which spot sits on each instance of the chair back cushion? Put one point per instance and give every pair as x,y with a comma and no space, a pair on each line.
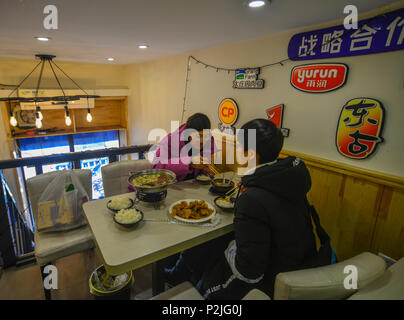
115,175
327,282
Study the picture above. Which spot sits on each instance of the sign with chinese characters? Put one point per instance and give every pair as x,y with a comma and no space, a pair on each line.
228,115
248,79
319,78
380,34
275,114
359,128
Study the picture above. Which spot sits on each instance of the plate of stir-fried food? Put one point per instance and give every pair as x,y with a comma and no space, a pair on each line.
192,210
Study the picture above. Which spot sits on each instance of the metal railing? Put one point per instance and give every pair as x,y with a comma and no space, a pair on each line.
16,239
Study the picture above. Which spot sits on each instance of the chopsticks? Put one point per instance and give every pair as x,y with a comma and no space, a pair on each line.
213,169
230,193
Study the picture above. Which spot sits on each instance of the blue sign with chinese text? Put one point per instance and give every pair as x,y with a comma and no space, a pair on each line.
379,34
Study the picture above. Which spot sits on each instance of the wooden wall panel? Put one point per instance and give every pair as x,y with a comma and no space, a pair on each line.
347,208
105,113
389,229
361,210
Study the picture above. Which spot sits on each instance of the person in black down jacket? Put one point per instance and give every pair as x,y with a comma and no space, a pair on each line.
272,226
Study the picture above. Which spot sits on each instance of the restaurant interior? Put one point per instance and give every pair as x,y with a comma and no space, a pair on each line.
90,91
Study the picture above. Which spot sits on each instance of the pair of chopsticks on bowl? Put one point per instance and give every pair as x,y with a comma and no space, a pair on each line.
230,193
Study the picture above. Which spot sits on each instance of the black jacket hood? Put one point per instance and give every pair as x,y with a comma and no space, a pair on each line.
287,178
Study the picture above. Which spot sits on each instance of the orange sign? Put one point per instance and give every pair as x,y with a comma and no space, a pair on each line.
359,128
228,111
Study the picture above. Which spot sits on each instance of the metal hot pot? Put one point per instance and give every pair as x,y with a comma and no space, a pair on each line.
152,192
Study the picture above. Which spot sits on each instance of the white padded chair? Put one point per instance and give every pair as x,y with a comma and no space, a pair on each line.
327,283
50,246
390,286
115,175
321,283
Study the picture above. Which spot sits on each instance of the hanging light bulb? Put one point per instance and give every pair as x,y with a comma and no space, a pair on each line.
68,121
38,123
13,120
89,116
39,113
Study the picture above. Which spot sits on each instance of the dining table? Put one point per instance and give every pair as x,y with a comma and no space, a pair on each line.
157,236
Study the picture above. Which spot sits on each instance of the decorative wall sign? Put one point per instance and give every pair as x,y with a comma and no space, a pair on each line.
228,115
275,114
359,128
380,34
248,79
319,78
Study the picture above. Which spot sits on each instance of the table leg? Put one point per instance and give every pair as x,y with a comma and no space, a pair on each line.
158,277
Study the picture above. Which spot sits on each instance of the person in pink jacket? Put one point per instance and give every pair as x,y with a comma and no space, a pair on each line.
183,150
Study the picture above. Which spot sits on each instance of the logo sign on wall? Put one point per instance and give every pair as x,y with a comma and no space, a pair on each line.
275,114
359,128
380,34
319,78
248,79
228,115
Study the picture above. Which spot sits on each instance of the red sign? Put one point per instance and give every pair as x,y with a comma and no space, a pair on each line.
319,78
275,114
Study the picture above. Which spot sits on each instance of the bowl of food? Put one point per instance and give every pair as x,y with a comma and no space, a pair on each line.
128,218
152,180
119,203
224,203
203,178
222,185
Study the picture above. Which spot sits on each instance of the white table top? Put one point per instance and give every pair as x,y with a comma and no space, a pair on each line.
123,249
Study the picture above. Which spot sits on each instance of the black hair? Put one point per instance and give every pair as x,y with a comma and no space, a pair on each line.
198,121
269,139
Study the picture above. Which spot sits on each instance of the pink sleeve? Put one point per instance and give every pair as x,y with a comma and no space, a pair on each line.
181,169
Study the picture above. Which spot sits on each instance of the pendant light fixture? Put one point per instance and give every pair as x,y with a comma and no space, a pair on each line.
60,100
68,121
13,120
89,116
38,111
38,122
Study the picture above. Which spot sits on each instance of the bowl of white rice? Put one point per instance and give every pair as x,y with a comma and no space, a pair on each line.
120,203
224,204
128,217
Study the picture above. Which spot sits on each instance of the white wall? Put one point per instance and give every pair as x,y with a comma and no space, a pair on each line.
158,92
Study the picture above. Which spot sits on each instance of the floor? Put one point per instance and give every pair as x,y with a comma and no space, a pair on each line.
25,283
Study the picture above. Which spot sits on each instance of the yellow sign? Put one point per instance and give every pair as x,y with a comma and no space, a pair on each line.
228,112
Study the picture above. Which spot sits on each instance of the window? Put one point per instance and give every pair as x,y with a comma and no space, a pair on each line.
42,146
94,141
